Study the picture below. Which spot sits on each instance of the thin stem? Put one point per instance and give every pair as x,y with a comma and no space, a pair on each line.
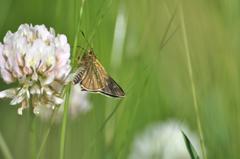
68,88
32,127
5,150
77,34
64,124
110,116
194,95
33,137
167,29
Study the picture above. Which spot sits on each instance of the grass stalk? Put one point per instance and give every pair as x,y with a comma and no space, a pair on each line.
110,116
69,87
77,34
193,87
5,150
163,41
64,124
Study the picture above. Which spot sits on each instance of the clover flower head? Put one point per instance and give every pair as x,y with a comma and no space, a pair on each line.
38,61
79,104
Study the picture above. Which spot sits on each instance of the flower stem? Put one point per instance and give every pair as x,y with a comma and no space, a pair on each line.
194,95
32,127
64,124
33,138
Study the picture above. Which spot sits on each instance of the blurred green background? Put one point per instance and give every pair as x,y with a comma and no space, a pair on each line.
156,80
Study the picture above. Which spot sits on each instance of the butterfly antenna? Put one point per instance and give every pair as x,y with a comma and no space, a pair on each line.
80,47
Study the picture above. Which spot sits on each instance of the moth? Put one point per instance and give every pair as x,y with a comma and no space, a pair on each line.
92,77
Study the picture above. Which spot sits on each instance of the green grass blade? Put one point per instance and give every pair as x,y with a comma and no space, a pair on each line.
4,148
74,52
64,124
69,87
110,115
190,148
193,87
164,38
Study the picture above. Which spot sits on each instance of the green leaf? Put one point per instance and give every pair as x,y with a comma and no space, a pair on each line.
190,148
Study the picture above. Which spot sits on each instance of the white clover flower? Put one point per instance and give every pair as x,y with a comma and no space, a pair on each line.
79,104
38,60
163,140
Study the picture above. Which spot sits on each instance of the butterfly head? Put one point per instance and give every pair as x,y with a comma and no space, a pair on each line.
90,52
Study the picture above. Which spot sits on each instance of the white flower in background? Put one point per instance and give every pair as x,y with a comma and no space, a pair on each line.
79,104
38,60
163,141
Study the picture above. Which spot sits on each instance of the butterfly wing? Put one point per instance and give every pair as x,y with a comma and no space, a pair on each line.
93,77
112,88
